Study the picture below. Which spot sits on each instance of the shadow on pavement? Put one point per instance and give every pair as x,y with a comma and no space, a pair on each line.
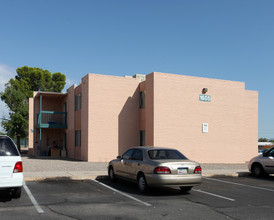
132,188
5,196
243,174
265,177
24,153
246,175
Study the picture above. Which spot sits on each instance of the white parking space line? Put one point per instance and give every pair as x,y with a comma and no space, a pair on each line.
32,199
240,184
124,194
212,194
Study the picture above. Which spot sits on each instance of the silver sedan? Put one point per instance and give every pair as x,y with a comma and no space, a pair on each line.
262,164
154,166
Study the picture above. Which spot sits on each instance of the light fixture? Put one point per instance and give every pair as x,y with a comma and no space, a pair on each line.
204,91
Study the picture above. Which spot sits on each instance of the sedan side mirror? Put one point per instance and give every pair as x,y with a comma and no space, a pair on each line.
119,157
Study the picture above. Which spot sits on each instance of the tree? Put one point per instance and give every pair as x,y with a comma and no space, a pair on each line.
16,101
19,90
263,139
36,79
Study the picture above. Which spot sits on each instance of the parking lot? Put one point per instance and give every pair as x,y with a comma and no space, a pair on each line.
217,198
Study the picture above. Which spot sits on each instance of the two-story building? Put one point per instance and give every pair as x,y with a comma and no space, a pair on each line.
209,120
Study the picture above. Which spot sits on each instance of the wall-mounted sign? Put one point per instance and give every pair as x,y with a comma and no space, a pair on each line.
205,127
205,98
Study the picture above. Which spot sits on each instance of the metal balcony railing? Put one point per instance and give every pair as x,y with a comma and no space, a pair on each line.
51,119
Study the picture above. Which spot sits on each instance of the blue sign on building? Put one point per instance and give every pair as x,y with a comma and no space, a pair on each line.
205,98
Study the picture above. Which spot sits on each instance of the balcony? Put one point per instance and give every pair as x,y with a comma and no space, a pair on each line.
51,119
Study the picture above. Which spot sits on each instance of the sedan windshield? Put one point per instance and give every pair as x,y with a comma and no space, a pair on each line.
163,154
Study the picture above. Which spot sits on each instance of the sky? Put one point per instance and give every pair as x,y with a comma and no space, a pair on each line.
221,39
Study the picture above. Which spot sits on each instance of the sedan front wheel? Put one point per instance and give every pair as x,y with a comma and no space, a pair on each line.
257,170
111,174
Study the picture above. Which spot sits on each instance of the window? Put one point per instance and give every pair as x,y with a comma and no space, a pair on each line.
142,138
78,102
142,100
165,154
78,138
137,155
7,147
127,154
271,153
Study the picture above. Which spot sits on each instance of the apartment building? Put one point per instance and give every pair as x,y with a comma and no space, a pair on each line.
209,120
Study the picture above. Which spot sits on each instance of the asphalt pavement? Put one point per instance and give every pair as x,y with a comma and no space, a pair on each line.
217,198
43,168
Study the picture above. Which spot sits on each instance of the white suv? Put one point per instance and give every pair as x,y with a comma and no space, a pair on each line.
11,168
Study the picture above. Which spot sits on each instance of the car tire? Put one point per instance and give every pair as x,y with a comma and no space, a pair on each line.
17,193
142,183
185,189
257,170
111,174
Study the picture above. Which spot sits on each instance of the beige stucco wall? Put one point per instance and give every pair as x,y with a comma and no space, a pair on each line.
113,116
232,117
85,118
70,122
149,110
142,113
31,127
78,124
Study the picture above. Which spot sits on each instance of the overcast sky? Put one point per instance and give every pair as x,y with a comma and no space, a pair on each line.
231,40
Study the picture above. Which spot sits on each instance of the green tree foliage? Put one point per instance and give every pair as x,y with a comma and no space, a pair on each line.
19,90
17,103
58,82
262,139
36,79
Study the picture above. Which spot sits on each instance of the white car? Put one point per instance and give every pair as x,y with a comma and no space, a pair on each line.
11,167
262,164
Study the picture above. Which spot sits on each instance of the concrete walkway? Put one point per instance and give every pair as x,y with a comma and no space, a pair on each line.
44,168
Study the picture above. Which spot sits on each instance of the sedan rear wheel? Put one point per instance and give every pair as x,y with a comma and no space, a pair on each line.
142,184
185,189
